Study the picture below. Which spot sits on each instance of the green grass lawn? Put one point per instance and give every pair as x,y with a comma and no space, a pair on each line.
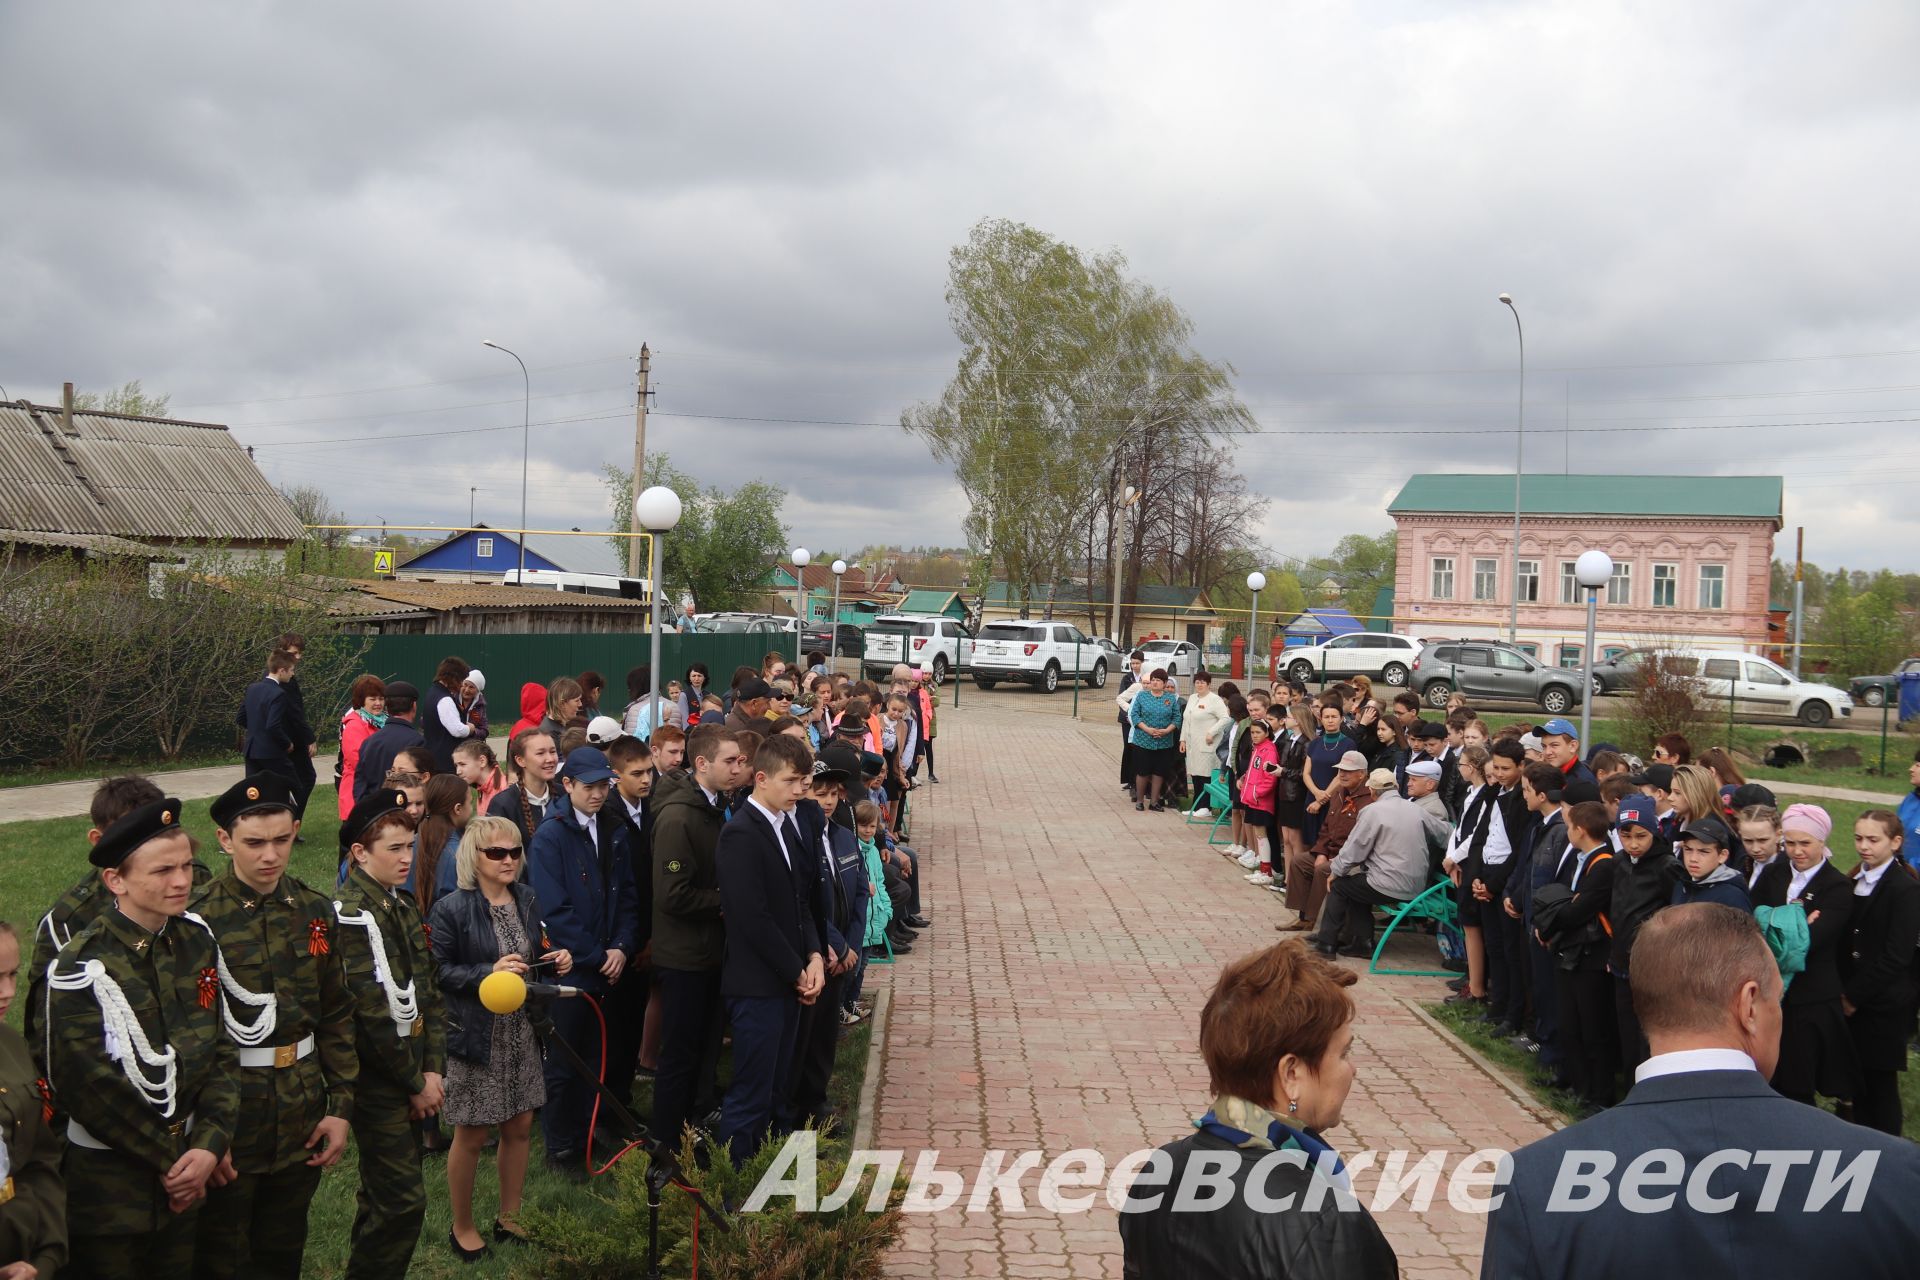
43,858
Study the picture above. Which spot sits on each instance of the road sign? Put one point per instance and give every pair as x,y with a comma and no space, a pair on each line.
383,563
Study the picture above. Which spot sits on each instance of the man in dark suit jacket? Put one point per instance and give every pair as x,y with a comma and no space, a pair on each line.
382,747
773,962
1703,1169
267,717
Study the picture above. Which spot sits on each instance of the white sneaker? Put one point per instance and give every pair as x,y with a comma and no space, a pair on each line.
1277,887
1260,878
1200,813
1249,859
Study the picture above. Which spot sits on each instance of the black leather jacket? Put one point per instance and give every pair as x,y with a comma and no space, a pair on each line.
464,950
1236,1242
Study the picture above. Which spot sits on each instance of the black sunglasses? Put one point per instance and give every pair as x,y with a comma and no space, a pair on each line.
502,853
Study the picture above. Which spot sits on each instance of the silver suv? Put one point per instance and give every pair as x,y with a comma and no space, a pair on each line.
1486,671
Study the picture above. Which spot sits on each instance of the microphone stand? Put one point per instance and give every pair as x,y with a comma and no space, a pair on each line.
663,1165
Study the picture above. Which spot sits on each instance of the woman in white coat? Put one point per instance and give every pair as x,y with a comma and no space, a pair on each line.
1205,720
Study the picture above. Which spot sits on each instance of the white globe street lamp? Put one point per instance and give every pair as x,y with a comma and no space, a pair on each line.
656,510
801,559
1255,582
1593,570
833,639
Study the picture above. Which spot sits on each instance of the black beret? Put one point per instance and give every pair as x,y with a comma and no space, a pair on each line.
871,763
257,793
1580,791
123,838
376,804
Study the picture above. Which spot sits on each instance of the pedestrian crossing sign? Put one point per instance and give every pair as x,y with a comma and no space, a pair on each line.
383,563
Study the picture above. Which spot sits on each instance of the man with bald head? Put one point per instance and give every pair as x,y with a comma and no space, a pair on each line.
1704,1169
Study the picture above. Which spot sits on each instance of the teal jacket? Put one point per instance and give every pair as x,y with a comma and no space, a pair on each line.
879,905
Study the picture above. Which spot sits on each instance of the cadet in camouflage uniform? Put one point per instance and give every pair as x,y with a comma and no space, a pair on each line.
400,1031
286,1005
138,1059
33,1201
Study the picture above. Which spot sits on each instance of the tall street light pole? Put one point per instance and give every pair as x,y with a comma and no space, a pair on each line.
833,638
656,510
1131,496
1593,570
1519,456
801,559
526,450
1255,581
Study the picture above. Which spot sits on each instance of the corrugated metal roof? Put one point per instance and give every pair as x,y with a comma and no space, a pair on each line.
440,596
153,478
1731,497
100,544
1149,597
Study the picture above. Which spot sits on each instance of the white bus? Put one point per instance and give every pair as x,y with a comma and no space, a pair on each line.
586,584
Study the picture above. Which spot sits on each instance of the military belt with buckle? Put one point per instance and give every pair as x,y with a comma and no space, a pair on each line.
6,1190
279,1056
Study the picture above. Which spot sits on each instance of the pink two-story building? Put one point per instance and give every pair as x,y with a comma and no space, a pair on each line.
1692,559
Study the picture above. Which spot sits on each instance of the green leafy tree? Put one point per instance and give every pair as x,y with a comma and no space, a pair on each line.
128,398
1862,632
1363,565
720,550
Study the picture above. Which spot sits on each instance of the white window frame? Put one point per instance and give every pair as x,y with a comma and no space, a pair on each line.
1719,600
1569,582
1620,585
1527,581
483,548
1486,578
1671,582
1442,580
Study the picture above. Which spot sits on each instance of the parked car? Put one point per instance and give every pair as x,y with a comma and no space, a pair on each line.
1378,655
848,639
1488,671
1181,658
1759,686
1878,691
733,625
1619,673
1037,653
937,643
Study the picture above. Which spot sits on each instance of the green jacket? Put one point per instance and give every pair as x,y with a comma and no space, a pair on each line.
687,930
161,976
33,1219
389,1056
281,944
879,905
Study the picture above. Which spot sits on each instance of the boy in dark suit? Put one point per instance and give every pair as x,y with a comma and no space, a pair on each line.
773,960
269,720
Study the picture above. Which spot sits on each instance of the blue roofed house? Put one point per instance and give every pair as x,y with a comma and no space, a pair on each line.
1321,622
482,554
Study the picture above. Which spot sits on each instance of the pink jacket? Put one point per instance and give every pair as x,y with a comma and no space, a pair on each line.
354,730
1258,787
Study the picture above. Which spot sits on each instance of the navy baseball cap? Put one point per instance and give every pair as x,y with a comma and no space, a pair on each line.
1637,811
586,764
1708,831
1562,726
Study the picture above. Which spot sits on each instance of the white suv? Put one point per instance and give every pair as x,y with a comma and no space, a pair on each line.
1377,655
1038,653
1760,687
930,641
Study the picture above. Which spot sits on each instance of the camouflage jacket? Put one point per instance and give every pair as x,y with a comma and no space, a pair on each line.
33,1204
165,978
282,943
388,1055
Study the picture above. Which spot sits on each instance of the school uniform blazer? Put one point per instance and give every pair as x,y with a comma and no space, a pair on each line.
1700,1113
1877,967
764,902
265,715
1829,895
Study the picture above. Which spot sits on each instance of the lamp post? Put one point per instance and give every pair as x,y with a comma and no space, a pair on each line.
1519,457
1593,570
656,510
833,639
1255,582
1131,496
801,558
526,451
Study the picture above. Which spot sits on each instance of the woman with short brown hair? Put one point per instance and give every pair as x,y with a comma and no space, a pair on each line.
1275,1034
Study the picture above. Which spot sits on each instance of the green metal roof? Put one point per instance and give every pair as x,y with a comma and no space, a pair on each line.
1151,597
930,600
1737,497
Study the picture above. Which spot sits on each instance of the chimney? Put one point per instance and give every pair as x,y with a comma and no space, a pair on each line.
66,408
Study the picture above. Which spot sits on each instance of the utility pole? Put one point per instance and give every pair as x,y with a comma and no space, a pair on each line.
640,458
471,490
1799,596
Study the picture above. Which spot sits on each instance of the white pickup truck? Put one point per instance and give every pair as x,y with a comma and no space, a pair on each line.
1038,653
932,642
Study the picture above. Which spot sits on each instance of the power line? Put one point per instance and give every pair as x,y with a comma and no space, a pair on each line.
405,386
398,413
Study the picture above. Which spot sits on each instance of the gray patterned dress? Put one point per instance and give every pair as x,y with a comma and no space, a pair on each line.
510,1081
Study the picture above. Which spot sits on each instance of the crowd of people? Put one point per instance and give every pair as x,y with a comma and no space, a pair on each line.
1556,856
701,866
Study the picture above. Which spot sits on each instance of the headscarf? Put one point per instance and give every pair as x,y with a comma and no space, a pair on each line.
1810,818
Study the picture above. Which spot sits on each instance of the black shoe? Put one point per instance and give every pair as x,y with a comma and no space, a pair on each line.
876,953
902,948
1325,949
932,779
1357,953
567,1164
1158,806
919,922
503,1234
464,1254
1139,806
1466,1003
1525,1043
1456,984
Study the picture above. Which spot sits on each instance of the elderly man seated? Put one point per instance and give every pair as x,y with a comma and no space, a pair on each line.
1384,860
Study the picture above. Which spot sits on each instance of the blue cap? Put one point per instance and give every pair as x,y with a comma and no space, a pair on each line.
1565,728
586,764
1637,811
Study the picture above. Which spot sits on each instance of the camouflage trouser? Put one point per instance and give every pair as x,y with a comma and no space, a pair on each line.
256,1226
149,1255
392,1204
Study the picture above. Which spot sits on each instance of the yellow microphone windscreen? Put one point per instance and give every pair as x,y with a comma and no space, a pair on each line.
503,992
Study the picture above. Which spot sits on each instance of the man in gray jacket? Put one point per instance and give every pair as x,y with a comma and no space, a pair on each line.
1384,860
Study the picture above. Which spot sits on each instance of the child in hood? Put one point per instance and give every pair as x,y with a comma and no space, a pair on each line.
533,708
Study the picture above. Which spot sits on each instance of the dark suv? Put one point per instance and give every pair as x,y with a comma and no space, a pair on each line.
1488,671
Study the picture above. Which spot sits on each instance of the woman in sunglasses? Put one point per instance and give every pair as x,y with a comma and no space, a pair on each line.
490,924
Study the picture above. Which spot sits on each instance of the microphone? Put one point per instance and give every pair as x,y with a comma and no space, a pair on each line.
504,992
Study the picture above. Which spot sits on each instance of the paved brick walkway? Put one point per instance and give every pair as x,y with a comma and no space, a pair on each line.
1055,1004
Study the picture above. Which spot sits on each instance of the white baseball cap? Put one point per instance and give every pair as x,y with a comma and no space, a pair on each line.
602,730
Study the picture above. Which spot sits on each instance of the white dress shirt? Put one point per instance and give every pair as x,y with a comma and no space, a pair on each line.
779,821
588,825
1798,885
1673,1064
1753,876
1863,886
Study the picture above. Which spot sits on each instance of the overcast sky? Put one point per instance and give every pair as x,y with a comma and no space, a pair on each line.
303,220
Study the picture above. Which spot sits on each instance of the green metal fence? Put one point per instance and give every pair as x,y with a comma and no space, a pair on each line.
510,661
